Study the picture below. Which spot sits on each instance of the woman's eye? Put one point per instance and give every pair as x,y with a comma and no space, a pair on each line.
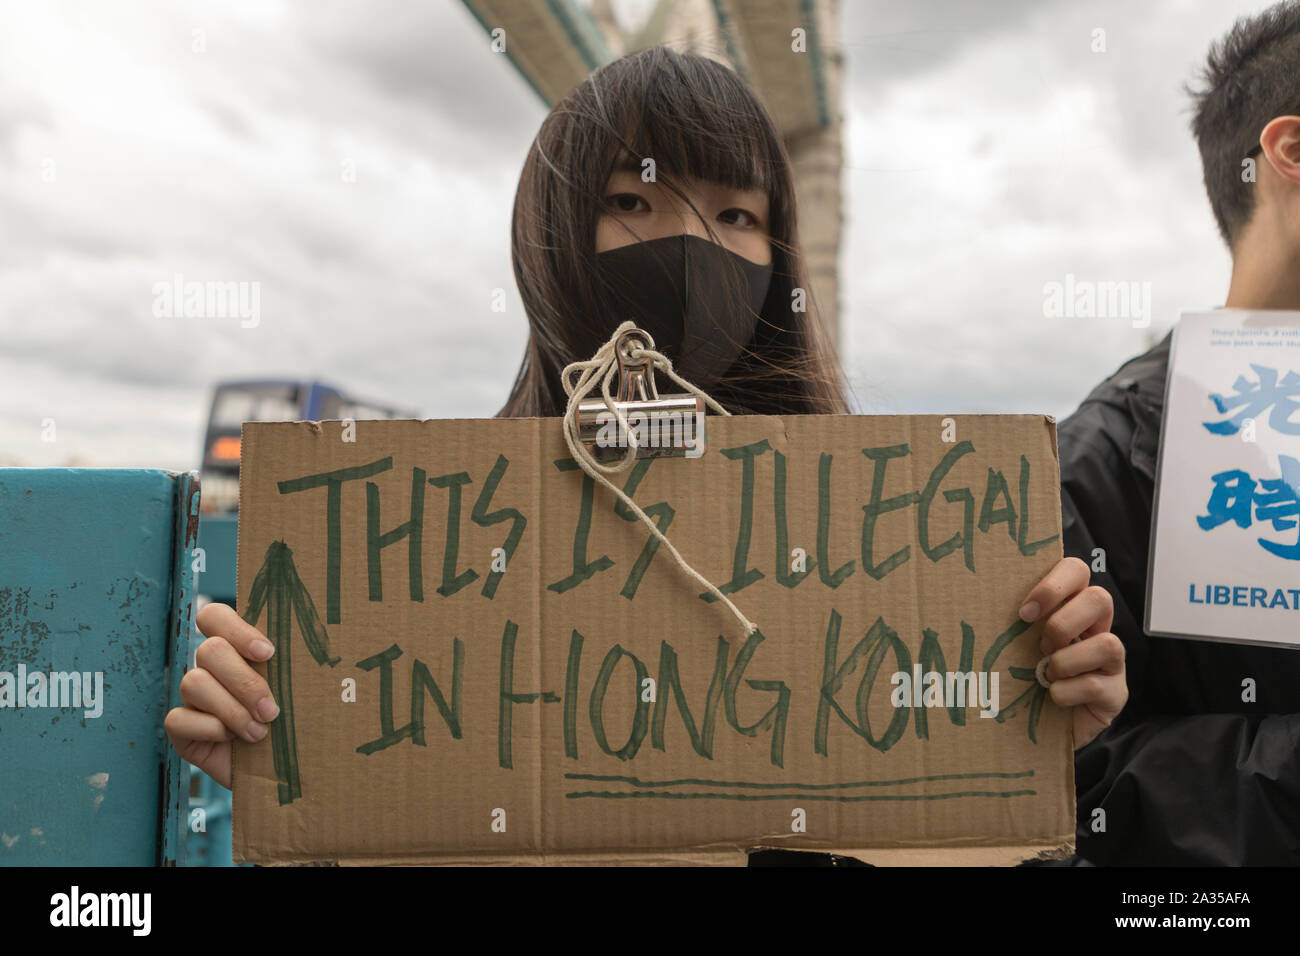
737,217
628,202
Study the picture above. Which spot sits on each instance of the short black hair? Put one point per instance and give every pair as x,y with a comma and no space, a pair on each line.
1251,76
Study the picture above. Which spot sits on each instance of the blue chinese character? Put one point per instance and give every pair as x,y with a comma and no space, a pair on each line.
1252,398
1279,502
1229,501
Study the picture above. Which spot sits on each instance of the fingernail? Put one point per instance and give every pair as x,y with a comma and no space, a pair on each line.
1042,646
267,710
255,730
1030,611
262,649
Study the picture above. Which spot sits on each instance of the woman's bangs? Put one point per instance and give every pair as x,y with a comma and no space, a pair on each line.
695,136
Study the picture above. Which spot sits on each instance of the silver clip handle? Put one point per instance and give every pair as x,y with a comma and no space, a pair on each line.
672,426
636,376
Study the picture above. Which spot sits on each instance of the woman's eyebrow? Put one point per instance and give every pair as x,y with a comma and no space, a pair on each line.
753,192
625,162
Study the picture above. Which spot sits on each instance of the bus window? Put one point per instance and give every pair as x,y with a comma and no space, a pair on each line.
232,405
260,403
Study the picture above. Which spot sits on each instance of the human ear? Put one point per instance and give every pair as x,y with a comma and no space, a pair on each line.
1280,147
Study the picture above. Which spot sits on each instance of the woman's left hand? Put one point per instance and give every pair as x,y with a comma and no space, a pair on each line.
1085,660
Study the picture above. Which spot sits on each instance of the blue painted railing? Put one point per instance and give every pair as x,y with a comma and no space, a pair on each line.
96,581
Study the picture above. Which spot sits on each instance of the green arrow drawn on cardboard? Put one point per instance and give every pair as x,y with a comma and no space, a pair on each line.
279,591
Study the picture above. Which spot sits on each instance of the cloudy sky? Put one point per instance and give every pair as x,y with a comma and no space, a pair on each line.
358,161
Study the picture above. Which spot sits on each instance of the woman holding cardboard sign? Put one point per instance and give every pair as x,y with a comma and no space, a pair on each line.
659,190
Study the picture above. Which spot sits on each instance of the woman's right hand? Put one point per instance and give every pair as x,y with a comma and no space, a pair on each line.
222,695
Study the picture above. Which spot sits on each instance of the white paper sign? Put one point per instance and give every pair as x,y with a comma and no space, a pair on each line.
1225,538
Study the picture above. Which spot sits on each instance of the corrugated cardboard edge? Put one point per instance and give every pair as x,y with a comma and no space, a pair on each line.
1067,845
960,856
735,856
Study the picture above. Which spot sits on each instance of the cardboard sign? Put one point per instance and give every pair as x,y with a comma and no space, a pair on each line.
483,656
1225,549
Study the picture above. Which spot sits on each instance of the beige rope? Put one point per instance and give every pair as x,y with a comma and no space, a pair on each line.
602,367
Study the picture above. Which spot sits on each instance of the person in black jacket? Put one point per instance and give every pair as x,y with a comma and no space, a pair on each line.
1189,773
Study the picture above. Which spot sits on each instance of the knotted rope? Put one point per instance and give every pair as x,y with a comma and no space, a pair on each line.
601,369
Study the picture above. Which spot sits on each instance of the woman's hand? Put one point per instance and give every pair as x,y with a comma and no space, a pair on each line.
222,695
1085,661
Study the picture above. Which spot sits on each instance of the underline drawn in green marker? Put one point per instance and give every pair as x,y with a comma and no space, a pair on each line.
791,790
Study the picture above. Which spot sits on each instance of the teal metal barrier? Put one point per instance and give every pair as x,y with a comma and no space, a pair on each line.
210,845
96,588
218,535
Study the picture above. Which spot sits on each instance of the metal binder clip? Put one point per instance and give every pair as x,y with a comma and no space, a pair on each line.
668,426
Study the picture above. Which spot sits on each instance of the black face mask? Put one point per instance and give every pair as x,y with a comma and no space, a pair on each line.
697,299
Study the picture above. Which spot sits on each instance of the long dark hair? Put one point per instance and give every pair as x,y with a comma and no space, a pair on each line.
697,118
